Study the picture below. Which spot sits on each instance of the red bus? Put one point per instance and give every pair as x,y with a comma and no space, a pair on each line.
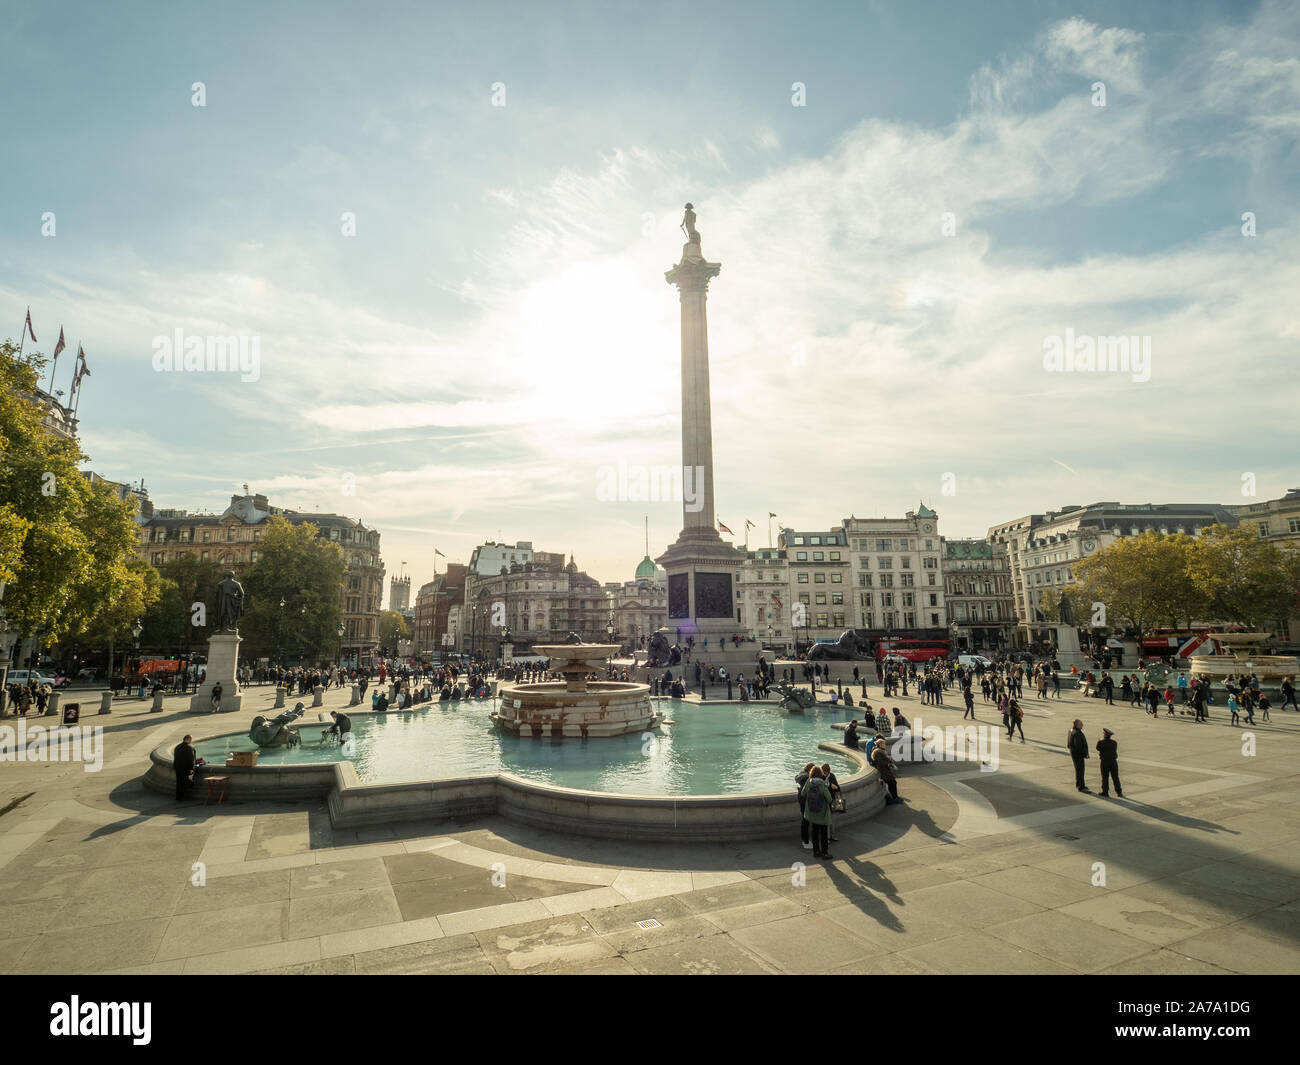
911,649
1183,643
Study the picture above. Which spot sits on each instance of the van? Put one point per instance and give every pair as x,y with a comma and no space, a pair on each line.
971,661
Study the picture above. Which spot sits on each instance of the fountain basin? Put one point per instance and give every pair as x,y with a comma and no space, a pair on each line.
601,708
1246,655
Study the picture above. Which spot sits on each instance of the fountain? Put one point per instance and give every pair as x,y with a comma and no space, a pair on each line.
1246,656
576,707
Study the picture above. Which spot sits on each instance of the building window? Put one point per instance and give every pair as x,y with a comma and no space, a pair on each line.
821,621
821,598
801,556
803,578
837,598
930,562
818,556
934,599
884,545
837,620
929,545
803,598
931,576
886,599
886,580
1293,525
1263,528
820,578
907,562
908,579
934,621
885,563
864,580
907,599
837,578
835,556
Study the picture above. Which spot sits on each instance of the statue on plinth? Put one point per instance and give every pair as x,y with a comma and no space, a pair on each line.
1064,610
230,603
688,226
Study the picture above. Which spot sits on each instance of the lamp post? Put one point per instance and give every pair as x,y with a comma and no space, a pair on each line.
340,655
279,636
302,642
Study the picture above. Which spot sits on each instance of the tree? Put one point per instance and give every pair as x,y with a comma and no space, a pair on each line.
1140,581
170,625
307,573
65,544
1243,578
393,629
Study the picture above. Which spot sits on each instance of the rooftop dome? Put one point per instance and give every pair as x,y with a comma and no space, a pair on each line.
646,569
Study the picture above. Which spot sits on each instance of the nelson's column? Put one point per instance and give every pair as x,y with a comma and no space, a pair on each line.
701,568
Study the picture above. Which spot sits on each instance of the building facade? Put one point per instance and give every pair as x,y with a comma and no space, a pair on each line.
1041,548
232,540
979,597
431,629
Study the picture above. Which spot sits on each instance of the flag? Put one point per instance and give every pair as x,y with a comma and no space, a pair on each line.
749,524
437,552
723,528
28,326
82,369
770,514
60,345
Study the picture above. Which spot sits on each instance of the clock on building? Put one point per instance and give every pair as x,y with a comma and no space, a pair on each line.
927,527
1088,545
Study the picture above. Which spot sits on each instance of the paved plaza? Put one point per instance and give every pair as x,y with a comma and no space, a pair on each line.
978,872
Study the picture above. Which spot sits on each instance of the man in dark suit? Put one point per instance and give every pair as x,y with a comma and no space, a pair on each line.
1077,744
1108,749
183,758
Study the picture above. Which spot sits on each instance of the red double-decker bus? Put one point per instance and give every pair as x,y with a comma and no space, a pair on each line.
914,650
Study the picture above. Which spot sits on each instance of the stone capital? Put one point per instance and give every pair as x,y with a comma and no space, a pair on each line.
693,273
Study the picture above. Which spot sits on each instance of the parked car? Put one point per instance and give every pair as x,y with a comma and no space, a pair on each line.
23,676
87,675
974,660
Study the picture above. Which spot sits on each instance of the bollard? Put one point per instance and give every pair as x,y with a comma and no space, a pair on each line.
52,706
317,695
279,698
156,708
356,695
106,703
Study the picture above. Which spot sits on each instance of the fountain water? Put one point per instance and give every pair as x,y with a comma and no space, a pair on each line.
576,707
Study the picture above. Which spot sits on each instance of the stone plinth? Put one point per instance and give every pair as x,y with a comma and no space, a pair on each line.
223,661
1067,648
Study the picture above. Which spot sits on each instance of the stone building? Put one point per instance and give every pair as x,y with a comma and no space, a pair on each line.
640,605
231,540
980,600
541,600
431,630
1042,547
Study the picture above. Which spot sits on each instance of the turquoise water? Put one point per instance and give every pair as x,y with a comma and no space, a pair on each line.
717,749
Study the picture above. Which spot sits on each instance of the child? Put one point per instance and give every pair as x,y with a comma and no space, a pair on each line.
1263,705
1232,706
1169,701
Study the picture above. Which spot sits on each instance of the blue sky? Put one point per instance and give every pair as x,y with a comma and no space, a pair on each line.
498,330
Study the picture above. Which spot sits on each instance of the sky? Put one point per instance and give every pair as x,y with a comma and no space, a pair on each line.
446,227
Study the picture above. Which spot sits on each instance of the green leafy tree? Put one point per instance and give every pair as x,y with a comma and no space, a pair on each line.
393,628
296,565
65,544
1244,578
1141,581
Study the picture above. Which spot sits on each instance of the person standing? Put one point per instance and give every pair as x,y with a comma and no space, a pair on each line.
1077,744
969,696
183,759
816,798
1108,750
805,829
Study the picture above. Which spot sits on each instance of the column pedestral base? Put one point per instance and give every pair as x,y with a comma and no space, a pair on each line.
223,661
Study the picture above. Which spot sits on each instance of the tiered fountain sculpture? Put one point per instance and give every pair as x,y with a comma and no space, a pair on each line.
576,707
1247,655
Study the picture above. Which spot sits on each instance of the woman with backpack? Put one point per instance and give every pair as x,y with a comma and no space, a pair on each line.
816,798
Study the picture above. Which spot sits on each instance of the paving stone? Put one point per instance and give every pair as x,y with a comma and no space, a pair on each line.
544,946
213,931
808,943
973,953
1079,944
341,911
716,956
456,955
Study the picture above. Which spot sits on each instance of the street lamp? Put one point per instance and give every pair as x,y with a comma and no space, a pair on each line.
279,636
302,642
340,656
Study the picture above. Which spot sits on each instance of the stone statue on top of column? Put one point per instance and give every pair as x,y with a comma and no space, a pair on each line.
688,226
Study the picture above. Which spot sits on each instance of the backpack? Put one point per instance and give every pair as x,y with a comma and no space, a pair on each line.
816,799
